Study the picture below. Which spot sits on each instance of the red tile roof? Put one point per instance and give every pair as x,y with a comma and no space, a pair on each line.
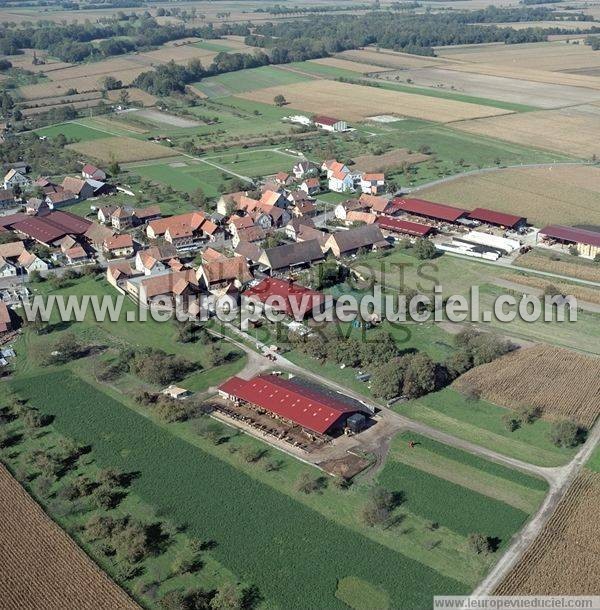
325,120
496,218
572,234
296,300
119,241
304,406
404,226
439,211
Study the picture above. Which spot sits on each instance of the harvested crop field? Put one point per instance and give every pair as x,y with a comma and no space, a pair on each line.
180,55
356,102
562,383
513,90
98,68
393,158
573,131
135,95
42,566
389,59
538,284
583,270
562,194
344,64
121,149
565,558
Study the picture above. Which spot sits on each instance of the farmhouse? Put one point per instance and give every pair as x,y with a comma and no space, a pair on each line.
119,245
59,199
287,256
7,269
143,215
283,178
118,272
163,289
331,166
76,255
30,262
287,297
92,172
224,276
293,227
184,231
154,258
105,213
586,242
252,234
12,249
435,211
372,184
14,179
305,168
308,408
329,123
304,208
122,219
249,251
344,243
311,186
377,205
340,182
499,219
341,209
82,189
355,216
395,225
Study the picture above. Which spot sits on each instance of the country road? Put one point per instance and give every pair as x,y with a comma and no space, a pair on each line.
558,478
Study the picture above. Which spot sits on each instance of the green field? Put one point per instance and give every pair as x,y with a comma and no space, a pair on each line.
469,504
231,83
210,45
72,131
260,534
480,422
255,163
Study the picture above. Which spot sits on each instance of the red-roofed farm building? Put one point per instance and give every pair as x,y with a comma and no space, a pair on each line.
52,227
312,410
395,225
329,123
287,297
499,219
435,211
587,242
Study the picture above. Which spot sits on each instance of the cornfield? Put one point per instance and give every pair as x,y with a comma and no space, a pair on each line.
41,566
565,557
562,383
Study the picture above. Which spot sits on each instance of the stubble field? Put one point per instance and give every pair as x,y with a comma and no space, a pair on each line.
565,558
560,382
567,194
356,102
121,149
41,566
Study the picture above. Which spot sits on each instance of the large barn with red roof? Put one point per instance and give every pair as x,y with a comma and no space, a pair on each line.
306,407
436,211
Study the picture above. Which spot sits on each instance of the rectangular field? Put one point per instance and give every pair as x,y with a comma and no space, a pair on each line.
571,266
43,567
573,131
562,383
356,102
567,194
75,131
121,149
564,558
294,556
232,83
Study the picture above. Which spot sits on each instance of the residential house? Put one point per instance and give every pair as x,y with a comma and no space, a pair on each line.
239,222
252,234
329,123
311,186
105,212
230,202
305,169
224,276
122,219
30,263
118,272
307,233
82,189
277,198
360,217
304,209
36,207
341,210
155,258
14,178
209,255
21,166
7,198
76,255
345,243
7,269
378,205
97,234
287,256
92,172
340,182
292,228
164,289
5,319
249,251
332,166
372,184
184,231
283,178
119,246
60,199
144,215
12,249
